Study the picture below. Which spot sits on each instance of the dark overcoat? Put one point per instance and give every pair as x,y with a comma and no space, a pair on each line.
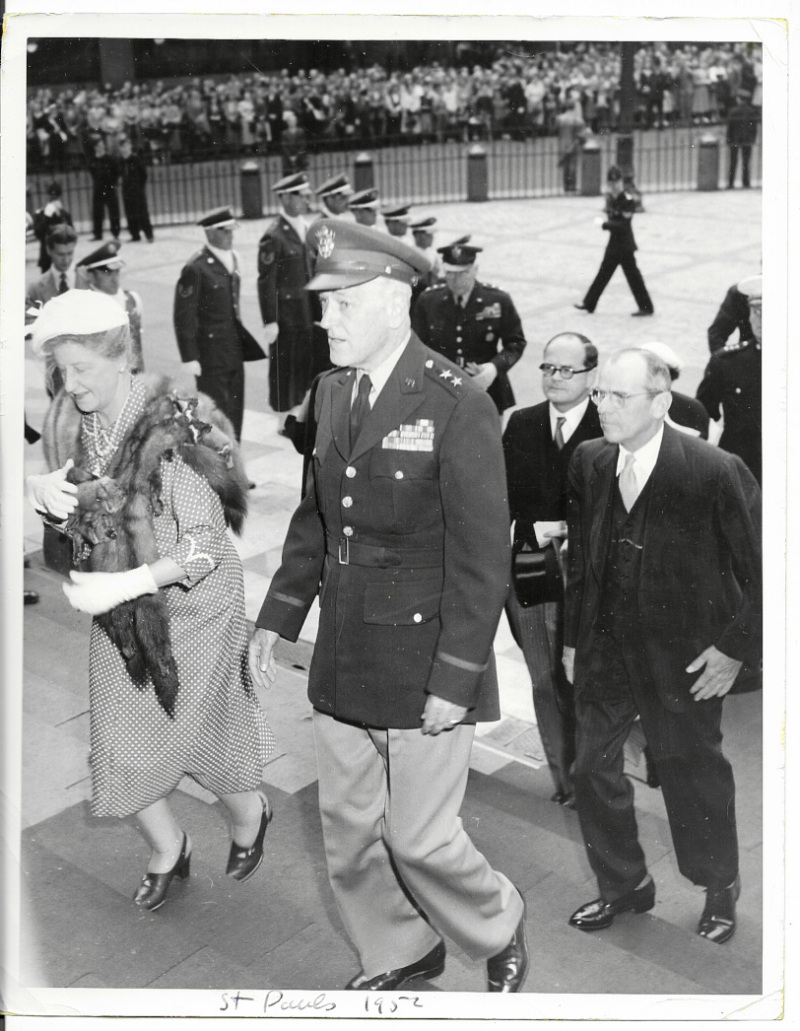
408,536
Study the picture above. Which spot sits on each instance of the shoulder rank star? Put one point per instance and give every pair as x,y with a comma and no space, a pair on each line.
457,381
446,374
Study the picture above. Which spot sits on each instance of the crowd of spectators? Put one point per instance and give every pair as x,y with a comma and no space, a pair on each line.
518,96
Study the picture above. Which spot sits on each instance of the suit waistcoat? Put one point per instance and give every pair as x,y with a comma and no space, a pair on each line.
618,606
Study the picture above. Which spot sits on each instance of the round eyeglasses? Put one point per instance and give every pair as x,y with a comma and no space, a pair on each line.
617,399
565,371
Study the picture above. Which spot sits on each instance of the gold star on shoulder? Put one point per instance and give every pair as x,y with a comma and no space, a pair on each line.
447,374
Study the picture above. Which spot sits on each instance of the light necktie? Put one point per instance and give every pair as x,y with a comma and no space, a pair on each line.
559,436
628,487
360,408
63,285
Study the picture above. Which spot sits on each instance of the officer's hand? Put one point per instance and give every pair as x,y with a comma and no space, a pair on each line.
483,375
568,662
260,658
718,676
271,332
193,368
441,715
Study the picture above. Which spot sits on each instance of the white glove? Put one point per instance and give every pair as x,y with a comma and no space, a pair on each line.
96,593
193,368
271,332
483,374
52,493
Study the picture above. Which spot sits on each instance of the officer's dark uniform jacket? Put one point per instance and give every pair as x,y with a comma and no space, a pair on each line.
487,330
619,226
285,266
409,537
731,386
206,316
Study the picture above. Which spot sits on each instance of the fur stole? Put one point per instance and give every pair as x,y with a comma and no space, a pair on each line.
112,528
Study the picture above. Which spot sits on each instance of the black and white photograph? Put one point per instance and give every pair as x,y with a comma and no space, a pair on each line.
394,518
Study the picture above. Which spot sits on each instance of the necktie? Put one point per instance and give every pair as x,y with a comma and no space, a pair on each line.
559,437
628,487
360,408
63,286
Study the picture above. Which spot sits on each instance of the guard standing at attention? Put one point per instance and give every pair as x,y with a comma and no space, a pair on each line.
473,324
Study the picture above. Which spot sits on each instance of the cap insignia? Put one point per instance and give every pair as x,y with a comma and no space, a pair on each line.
325,242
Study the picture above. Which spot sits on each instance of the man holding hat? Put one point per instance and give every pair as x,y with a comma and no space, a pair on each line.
731,386
334,197
298,351
473,324
621,248
212,341
364,207
412,550
102,270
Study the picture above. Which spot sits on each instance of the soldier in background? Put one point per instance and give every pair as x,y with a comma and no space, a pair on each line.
422,231
102,270
134,196
334,197
397,219
742,133
734,313
364,208
473,324
731,386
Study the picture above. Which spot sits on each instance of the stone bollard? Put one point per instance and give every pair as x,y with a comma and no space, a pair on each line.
252,203
590,169
363,172
477,174
708,163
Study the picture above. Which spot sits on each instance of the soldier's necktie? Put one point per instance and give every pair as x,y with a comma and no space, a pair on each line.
628,487
360,408
63,286
559,437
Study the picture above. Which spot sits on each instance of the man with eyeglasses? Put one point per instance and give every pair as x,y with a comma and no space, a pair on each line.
663,611
538,444
473,324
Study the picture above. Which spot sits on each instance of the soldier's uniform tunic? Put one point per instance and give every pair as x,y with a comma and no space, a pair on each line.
731,387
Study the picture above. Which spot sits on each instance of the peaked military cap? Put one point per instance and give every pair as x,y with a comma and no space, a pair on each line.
104,257
750,287
615,172
397,214
365,199
336,184
76,313
297,182
349,254
423,225
459,254
219,218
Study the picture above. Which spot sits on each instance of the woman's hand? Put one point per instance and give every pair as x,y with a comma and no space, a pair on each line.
52,493
97,593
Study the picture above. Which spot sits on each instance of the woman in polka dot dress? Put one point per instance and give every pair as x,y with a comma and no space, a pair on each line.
208,724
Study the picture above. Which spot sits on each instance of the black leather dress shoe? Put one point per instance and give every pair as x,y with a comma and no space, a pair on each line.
30,598
596,915
582,307
429,966
152,892
718,921
642,313
565,798
243,862
507,970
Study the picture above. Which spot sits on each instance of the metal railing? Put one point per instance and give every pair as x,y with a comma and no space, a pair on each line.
413,173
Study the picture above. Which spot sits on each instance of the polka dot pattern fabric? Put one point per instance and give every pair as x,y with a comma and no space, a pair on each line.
220,735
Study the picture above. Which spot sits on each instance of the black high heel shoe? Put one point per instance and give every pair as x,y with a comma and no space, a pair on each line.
243,862
152,892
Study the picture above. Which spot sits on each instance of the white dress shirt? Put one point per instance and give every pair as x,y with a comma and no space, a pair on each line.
572,419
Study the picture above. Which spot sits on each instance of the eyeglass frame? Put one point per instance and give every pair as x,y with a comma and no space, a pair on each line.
623,398
565,371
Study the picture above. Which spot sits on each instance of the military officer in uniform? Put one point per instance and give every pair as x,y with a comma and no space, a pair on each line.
397,220
212,341
289,311
364,207
473,324
423,233
334,197
412,550
101,271
731,386
620,249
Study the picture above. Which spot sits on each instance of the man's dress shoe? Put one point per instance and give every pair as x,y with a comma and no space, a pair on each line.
506,971
642,313
429,966
582,307
718,921
596,915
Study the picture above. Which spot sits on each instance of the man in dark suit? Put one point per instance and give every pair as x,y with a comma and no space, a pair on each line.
538,444
289,311
412,551
105,171
212,341
742,133
134,193
663,608
473,324
731,386
620,249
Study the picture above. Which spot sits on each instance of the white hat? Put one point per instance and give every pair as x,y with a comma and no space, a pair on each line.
750,287
665,353
76,313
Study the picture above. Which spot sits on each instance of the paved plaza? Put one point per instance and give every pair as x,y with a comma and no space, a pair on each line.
281,929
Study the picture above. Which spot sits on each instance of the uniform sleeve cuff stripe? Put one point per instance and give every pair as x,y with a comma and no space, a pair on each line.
285,598
470,667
